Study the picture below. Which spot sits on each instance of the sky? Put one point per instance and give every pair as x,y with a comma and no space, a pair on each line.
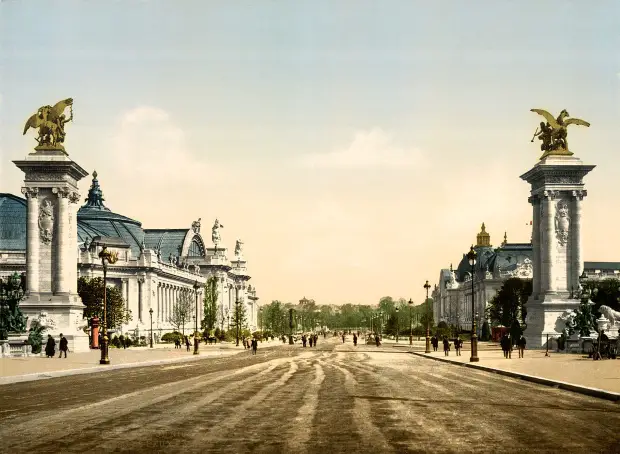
354,146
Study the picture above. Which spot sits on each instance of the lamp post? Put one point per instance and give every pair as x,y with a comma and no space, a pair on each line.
410,303
471,256
196,287
397,325
151,336
428,334
106,257
262,324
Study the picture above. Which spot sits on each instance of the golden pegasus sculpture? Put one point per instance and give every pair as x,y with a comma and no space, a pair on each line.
50,121
553,133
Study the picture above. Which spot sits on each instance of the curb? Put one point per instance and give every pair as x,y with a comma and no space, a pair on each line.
592,392
101,368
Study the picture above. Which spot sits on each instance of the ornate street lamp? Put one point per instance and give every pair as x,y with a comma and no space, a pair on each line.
428,334
410,303
196,287
151,316
397,325
262,323
471,256
106,257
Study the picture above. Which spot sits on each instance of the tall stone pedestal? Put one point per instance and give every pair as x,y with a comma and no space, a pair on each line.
556,196
50,186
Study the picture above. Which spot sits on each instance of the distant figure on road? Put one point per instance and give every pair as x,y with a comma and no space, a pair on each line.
377,340
343,338
458,343
64,346
304,340
435,342
521,345
316,338
310,340
354,340
50,347
187,343
506,347
254,346
446,346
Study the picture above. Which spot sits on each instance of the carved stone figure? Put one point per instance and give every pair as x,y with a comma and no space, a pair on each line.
524,270
197,269
196,226
170,259
610,314
51,122
452,283
562,222
46,320
553,133
46,221
239,248
215,232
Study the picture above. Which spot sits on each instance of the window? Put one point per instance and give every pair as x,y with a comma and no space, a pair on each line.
196,248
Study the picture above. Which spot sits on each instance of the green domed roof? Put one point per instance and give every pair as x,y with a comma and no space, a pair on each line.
13,212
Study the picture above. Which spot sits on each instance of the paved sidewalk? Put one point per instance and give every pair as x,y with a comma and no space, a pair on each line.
13,370
563,369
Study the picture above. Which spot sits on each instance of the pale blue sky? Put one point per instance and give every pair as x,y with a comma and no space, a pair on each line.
247,94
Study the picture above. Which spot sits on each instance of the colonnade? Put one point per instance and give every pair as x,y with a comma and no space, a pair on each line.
168,295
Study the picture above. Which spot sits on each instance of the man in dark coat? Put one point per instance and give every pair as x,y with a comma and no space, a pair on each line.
355,340
254,346
50,347
446,346
521,343
64,346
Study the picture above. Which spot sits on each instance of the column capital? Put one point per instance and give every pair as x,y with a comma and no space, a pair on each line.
74,197
580,194
550,195
61,192
30,193
534,199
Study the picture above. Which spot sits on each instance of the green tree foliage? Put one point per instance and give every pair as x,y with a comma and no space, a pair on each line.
210,304
92,292
35,335
486,332
602,292
506,307
238,319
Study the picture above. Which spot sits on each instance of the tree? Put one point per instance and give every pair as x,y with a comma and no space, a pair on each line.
506,307
91,292
182,311
210,305
603,292
238,319
486,332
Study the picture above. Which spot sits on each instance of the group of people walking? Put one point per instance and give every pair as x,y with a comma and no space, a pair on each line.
506,342
310,338
250,344
185,340
50,346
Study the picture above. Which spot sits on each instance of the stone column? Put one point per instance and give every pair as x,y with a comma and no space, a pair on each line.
32,235
125,292
549,212
140,302
60,265
536,241
575,223
158,294
72,254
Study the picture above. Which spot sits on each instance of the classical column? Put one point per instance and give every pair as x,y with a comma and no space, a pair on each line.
575,223
125,292
62,218
32,235
549,213
140,283
536,243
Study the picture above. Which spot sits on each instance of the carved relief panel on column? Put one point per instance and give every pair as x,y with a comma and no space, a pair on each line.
46,221
562,222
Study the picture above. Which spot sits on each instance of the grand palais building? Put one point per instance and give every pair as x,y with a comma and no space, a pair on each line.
155,267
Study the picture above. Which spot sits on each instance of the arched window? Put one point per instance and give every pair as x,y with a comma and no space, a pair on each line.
196,249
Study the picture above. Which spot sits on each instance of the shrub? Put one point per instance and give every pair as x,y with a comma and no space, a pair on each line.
485,335
171,337
35,336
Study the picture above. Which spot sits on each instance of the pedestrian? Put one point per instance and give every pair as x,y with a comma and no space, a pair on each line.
304,340
509,343
355,340
458,343
505,344
343,338
50,347
254,346
187,343
446,346
64,346
435,342
521,345
316,338
311,340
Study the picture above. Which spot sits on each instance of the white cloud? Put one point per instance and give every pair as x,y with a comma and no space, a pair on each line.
368,149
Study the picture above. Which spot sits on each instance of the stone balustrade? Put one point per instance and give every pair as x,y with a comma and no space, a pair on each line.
15,349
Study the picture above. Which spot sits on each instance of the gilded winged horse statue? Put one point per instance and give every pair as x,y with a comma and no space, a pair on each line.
50,122
553,133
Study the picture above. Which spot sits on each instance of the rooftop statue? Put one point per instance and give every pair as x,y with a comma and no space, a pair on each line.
51,124
553,133
215,233
239,248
